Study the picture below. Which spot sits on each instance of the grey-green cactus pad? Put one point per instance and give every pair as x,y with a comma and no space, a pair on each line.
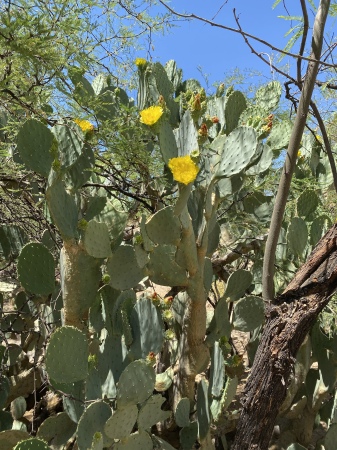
237,284
151,412
268,96
36,269
217,374
168,145
164,380
163,269
139,440
121,423
203,411
144,317
57,430
63,209
235,105
307,203
123,268
96,239
319,227
32,444
67,363
70,142
248,313
280,135
9,438
136,384
164,219
188,435
92,421
4,390
238,151
18,407
34,144
297,235
182,413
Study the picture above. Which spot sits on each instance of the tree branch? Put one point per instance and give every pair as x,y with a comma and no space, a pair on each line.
294,145
235,30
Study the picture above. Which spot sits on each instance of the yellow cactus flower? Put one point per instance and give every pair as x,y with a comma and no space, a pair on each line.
184,169
85,125
140,62
151,115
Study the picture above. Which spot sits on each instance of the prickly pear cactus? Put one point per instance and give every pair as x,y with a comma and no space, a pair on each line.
108,343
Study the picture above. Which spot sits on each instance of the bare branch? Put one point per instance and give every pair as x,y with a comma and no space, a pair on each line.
235,30
294,144
304,39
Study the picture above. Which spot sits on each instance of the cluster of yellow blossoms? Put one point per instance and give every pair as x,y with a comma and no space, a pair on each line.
183,168
151,115
140,62
85,125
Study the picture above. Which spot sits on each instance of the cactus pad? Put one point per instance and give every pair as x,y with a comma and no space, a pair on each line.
123,268
36,269
188,436
121,423
238,282
167,141
136,384
9,438
144,317
32,444
60,201
140,440
203,411
67,363
164,219
163,269
297,235
182,413
96,239
92,421
307,203
238,151
248,313
151,412
164,380
70,142
57,429
34,144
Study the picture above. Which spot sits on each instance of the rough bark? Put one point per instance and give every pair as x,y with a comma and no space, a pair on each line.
287,323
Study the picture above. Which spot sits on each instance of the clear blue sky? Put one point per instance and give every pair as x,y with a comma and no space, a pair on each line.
217,51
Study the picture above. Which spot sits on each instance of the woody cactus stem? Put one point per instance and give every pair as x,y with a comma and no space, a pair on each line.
194,352
80,277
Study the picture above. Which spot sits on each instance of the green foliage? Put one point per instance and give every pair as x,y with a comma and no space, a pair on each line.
108,336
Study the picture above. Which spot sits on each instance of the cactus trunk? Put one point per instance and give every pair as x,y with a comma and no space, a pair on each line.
80,276
194,352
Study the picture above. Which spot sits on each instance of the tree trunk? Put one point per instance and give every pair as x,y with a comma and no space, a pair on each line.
288,321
